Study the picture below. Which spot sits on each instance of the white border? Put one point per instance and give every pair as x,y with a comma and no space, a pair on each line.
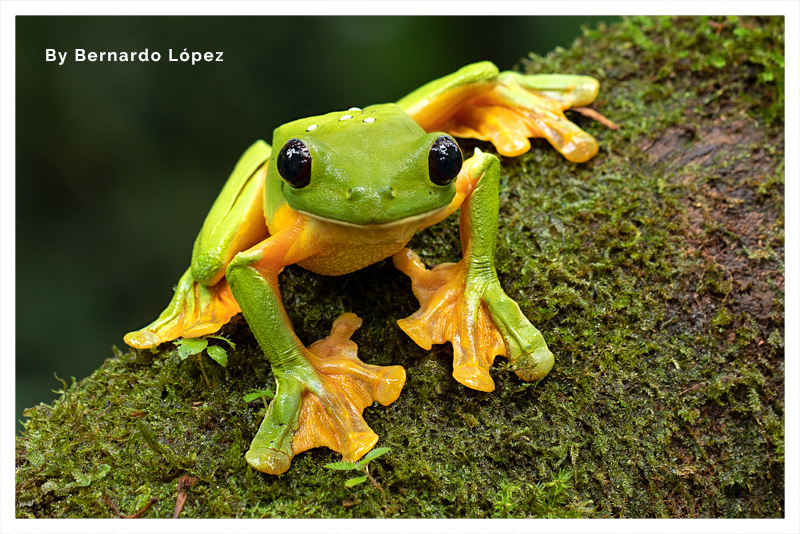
9,9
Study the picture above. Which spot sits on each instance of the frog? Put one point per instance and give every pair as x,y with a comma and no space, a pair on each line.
337,192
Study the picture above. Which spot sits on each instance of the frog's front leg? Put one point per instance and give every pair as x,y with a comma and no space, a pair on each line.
322,390
464,303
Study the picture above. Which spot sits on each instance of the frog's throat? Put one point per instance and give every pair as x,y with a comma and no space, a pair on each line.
376,226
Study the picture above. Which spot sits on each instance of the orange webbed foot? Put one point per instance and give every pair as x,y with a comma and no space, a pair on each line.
448,313
195,310
477,317
323,406
522,106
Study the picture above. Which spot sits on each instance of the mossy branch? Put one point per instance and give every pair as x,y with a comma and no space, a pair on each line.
655,270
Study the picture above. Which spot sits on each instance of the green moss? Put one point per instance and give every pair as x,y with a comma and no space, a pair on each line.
655,271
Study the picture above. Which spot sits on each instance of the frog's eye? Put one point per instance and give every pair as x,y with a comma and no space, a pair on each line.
294,163
444,160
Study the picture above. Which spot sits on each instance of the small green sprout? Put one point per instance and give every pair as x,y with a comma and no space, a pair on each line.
506,500
263,394
544,500
191,346
360,465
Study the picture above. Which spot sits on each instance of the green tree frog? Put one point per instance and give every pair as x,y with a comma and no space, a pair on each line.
338,192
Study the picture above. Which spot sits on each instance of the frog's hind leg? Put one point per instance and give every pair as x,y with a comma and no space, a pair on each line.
203,301
506,108
322,390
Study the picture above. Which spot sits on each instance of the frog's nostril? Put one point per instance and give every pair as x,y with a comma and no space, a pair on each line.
354,193
364,193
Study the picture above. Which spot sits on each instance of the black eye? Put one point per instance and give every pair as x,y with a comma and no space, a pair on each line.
444,160
294,163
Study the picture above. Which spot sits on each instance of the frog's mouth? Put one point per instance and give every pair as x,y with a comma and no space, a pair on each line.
411,219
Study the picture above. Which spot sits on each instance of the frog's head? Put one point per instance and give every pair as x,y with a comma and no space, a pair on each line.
369,166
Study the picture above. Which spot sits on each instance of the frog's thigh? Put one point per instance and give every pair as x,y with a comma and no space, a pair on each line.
322,390
202,301
236,220
436,101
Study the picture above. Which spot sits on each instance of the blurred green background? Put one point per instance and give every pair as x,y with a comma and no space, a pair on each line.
118,163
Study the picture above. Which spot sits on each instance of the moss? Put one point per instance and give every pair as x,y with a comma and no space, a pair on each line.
655,271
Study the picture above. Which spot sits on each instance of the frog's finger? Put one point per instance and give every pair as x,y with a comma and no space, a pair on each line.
336,356
477,317
451,312
527,349
425,285
332,417
271,449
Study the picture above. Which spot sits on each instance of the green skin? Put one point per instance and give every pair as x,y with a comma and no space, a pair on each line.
363,174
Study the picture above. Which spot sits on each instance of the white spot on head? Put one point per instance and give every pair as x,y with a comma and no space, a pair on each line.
313,126
369,119
354,109
345,117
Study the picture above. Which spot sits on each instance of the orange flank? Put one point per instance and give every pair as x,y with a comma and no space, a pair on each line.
431,112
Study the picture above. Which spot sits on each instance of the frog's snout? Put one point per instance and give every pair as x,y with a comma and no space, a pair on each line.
362,193
372,204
